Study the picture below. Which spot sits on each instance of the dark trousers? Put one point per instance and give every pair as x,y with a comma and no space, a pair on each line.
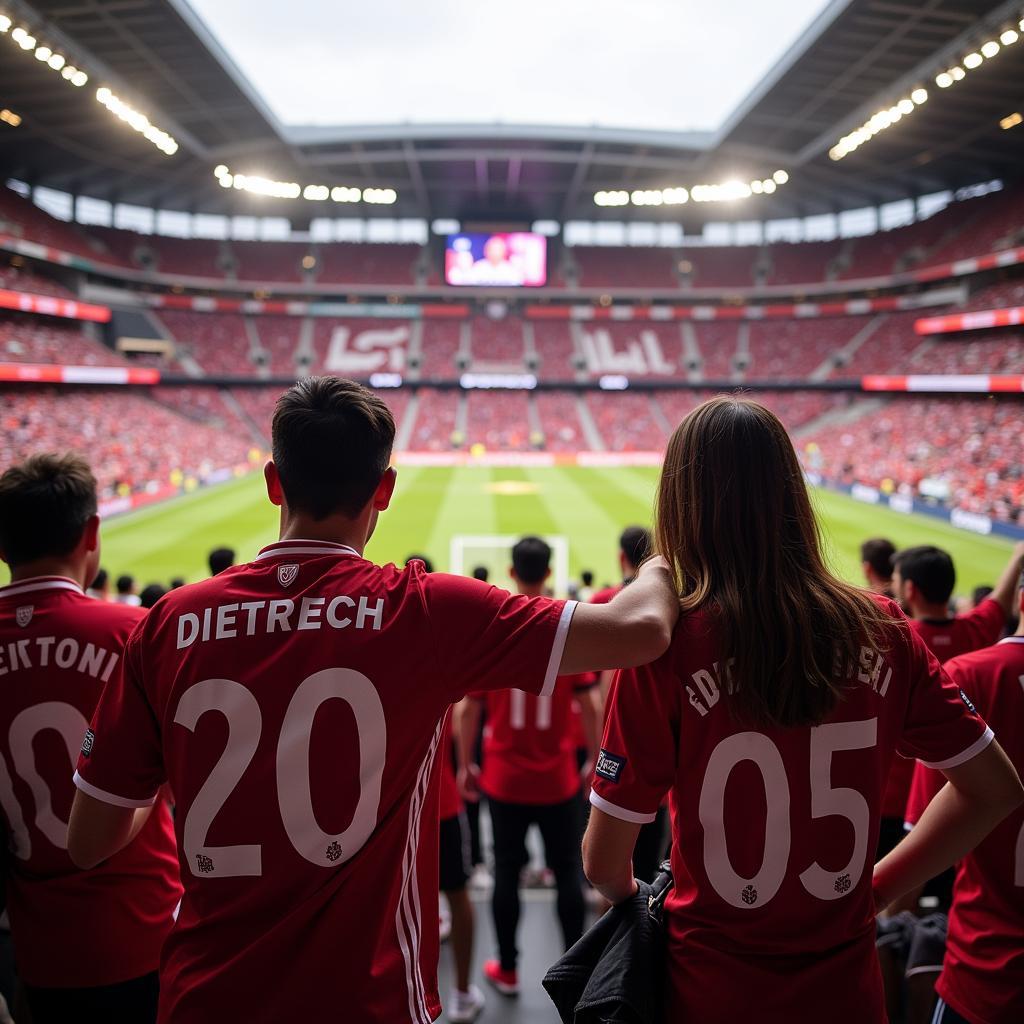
134,1001
945,1014
558,824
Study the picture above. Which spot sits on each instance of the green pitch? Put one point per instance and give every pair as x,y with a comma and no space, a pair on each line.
587,506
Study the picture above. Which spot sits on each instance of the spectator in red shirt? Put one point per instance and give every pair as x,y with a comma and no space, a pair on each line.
530,777
634,547
876,561
923,579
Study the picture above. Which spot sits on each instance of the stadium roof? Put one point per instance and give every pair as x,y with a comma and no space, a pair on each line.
857,58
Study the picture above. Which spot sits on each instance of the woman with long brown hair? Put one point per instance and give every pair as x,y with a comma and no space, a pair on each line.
772,722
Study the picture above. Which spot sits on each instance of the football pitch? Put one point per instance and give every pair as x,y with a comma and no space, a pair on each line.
586,506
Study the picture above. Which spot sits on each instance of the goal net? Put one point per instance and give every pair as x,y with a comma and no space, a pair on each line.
494,552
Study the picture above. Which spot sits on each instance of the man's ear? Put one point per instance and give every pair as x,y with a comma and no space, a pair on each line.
91,534
512,574
274,492
547,575
385,489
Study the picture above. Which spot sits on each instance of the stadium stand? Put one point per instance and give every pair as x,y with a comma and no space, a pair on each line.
496,343
719,347
218,342
358,263
30,339
279,342
719,266
24,219
434,428
624,267
498,420
134,444
560,424
21,279
441,339
802,262
964,452
626,421
268,261
552,340
793,349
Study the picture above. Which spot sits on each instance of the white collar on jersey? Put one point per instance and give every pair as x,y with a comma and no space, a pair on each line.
1012,640
305,547
34,583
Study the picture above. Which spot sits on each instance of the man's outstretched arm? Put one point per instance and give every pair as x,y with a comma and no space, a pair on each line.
633,629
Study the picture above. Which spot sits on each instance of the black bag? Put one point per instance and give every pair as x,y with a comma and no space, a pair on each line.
615,974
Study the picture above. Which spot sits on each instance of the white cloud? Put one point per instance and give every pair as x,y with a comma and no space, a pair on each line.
666,64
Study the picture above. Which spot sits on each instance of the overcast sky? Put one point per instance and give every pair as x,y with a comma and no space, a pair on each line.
667,64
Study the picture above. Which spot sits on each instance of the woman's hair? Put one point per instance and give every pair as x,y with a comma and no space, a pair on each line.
734,520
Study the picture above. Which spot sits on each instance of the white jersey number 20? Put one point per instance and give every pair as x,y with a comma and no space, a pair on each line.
245,725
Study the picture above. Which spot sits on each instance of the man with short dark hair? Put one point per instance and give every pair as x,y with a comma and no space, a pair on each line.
306,691
923,580
99,589
87,942
634,547
221,559
530,776
982,976
482,573
876,564
125,587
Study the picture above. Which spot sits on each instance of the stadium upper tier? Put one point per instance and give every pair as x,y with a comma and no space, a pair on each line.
963,453
969,228
826,348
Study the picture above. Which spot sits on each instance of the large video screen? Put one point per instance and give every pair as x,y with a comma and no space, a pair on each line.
515,259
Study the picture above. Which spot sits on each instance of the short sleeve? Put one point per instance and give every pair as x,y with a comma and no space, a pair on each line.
121,761
987,623
636,765
923,787
942,729
488,639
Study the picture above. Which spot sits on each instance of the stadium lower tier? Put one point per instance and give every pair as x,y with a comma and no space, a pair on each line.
959,452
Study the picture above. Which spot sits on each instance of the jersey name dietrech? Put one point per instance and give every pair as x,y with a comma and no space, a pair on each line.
247,618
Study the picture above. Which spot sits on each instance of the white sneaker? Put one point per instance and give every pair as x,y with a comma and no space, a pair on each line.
466,1006
481,879
444,923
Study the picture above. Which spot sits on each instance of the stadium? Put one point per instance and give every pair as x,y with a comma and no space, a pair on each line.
539,300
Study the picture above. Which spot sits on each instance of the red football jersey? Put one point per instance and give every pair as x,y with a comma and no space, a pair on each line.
529,754
774,830
983,973
946,639
296,705
605,595
70,927
451,801
949,638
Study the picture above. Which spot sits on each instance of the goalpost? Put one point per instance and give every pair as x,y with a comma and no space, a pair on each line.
494,551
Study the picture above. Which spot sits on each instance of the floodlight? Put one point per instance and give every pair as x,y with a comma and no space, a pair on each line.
5,23
780,177
768,185
944,80
919,96
905,106
1009,37
56,62
958,73
973,60
989,49
43,53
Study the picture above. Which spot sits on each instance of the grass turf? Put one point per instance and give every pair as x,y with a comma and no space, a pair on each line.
588,506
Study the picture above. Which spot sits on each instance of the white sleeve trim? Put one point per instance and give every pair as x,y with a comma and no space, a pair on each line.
110,798
962,758
561,635
634,817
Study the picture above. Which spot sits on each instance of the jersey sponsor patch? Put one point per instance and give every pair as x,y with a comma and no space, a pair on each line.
967,701
609,766
90,738
23,615
286,574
